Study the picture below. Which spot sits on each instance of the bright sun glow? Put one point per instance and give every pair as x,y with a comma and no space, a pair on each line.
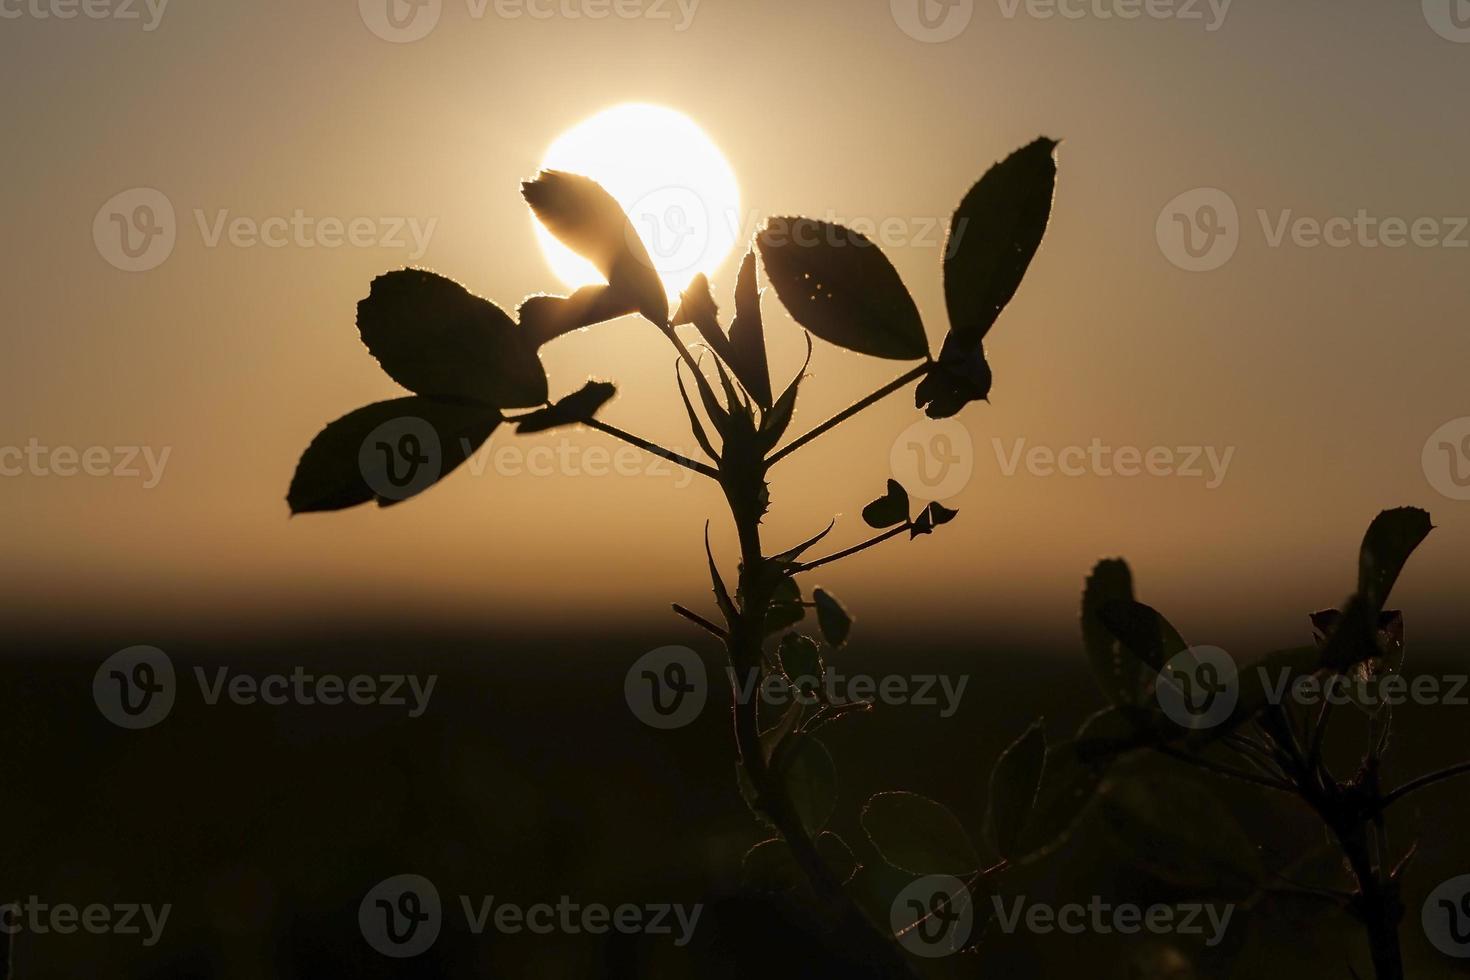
671,178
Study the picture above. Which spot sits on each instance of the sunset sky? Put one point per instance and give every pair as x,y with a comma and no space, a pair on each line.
1320,371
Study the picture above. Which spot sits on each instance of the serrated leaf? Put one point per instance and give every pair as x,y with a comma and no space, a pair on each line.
1390,540
1124,678
578,407
748,335
388,452
834,621
1144,631
994,235
890,509
775,422
437,339
915,834
800,657
940,515
839,285
790,555
1014,783
589,221
544,318
810,778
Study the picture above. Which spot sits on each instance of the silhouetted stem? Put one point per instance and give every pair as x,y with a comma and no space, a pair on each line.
700,621
1377,904
742,484
878,539
852,410
657,450
1423,781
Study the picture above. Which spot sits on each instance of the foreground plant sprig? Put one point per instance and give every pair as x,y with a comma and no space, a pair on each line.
468,364
1040,793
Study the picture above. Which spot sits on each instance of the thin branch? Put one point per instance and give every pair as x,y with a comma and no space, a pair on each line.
879,539
852,410
1423,781
654,448
700,621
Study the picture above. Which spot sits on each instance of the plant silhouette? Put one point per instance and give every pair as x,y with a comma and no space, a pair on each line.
468,363
469,366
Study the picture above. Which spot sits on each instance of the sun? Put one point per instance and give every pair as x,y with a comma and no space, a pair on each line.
671,178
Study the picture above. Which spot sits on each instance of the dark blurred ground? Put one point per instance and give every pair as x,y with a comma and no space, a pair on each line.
528,778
